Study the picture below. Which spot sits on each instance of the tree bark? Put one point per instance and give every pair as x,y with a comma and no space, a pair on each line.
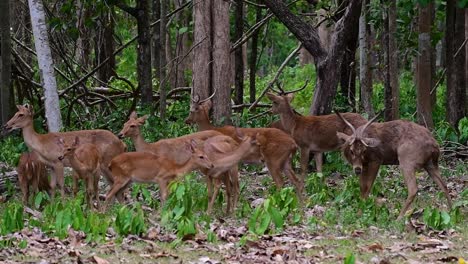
156,54
365,73
221,63
253,58
424,77
239,54
5,67
393,61
144,52
460,67
44,57
83,45
105,46
202,51
163,63
456,94
328,65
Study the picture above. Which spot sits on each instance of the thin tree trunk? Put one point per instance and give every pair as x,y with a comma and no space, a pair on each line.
202,51
365,73
5,66
424,78
144,52
460,67
393,59
466,61
156,54
105,46
44,57
83,45
163,62
253,58
238,54
221,63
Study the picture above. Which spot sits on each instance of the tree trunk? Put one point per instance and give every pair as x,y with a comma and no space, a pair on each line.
180,49
365,73
163,62
348,71
221,63
253,58
105,46
393,60
239,53
466,61
460,67
83,43
144,52
156,54
202,51
5,66
456,100
44,57
328,65
424,78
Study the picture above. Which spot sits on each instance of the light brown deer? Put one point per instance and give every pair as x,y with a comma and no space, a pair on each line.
225,158
172,148
315,134
145,167
32,175
397,142
278,146
85,160
45,145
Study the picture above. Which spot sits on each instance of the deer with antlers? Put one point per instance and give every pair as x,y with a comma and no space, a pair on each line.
45,145
315,134
278,147
218,146
397,142
145,167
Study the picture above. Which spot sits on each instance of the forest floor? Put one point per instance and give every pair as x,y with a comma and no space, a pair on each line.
329,232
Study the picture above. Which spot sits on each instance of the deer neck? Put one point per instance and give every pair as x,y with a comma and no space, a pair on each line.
186,167
235,156
204,123
74,162
139,142
31,137
288,119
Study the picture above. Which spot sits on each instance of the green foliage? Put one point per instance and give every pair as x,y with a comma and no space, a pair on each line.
130,221
275,210
463,129
437,219
11,148
12,218
349,259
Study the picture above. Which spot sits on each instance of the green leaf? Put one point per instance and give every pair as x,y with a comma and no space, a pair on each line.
183,30
38,200
264,224
277,217
445,218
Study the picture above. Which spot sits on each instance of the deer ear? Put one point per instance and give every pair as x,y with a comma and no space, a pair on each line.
271,96
77,141
192,145
60,141
371,142
19,107
342,137
133,115
142,119
290,97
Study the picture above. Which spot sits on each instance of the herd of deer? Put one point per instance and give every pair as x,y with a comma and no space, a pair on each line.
216,152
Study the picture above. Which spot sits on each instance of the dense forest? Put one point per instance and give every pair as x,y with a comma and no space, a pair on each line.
255,77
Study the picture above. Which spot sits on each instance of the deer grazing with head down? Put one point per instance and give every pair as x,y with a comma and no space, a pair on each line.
278,146
145,167
85,161
32,175
45,145
315,134
397,142
225,158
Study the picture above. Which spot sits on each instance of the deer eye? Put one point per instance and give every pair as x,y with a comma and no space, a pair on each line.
20,115
351,151
132,126
201,157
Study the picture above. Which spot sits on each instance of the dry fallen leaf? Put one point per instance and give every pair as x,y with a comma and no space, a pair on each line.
100,260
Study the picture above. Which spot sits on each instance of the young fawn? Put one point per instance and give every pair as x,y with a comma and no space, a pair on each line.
85,161
32,175
145,167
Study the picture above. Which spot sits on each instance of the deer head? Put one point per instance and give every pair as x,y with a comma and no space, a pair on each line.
280,103
132,126
199,109
21,119
199,157
355,146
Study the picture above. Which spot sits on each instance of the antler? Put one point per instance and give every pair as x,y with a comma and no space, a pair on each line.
206,99
281,91
370,121
346,121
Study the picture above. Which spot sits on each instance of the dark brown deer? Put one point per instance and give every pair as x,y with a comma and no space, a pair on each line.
315,134
278,146
32,175
397,142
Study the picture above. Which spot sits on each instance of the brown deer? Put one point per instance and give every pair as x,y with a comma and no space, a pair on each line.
172,148
45,145
225,158
315,134
278,146
145,167
32,175
85,160
397,142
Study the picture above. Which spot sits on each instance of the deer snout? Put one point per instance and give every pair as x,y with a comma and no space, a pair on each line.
61,158
358,170
120,135
188,121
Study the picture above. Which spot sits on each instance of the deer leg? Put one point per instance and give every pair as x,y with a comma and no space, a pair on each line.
89,191
215,194
410,180
75,183
234,179
163,188
209,186
367,178
289,172
225,177
318,161
275,170
434,172
24,185
107,173
304,162
57,178
96,189
116,187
